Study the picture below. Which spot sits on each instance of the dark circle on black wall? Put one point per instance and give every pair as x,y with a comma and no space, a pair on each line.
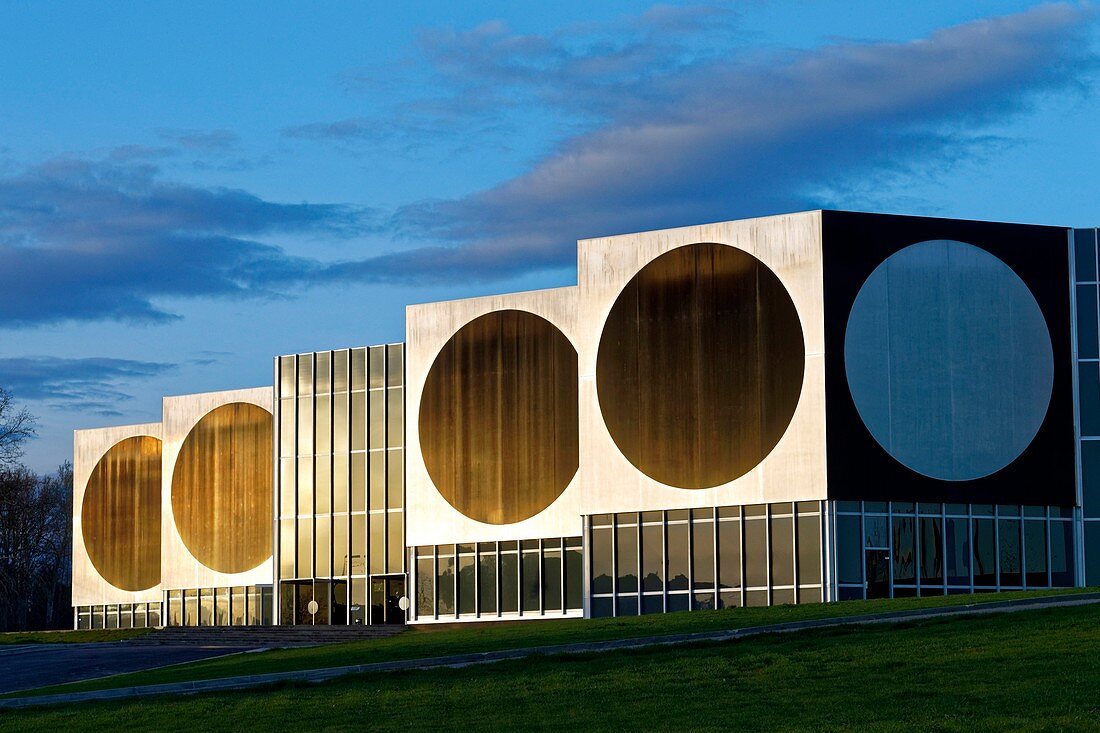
700,366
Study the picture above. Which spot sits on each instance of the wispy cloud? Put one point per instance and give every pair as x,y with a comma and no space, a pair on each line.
716,138
671,124
105,239
94,385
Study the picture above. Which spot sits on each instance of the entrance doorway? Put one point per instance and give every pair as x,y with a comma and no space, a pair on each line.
386,593
878,573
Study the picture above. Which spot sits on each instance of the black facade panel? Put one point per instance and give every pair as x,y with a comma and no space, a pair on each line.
854,245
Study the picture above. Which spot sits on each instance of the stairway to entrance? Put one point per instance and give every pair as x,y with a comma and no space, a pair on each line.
262,636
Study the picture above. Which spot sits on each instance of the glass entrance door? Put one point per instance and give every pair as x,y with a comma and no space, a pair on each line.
878,573
385,598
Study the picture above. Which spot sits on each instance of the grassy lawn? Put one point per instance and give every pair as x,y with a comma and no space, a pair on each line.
1035,670
442,640
70,636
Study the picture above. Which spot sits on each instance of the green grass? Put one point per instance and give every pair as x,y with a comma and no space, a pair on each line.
442,640
83,636
1034,670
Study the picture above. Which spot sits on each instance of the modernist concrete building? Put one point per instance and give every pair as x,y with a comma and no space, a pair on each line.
799,408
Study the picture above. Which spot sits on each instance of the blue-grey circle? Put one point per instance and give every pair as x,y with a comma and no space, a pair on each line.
949,360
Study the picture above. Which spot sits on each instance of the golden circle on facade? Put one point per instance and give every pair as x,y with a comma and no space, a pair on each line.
498,417
120,514
221,488
700,366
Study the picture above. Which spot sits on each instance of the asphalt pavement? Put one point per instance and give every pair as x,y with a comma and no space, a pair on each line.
28,666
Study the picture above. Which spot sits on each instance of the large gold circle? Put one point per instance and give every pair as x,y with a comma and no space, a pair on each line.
700,366
120,514
498,417
221,488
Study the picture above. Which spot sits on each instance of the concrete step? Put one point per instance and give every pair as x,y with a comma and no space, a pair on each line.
262,636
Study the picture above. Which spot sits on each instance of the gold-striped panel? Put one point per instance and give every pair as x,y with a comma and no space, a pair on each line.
498,417
700,366
120,514
221,488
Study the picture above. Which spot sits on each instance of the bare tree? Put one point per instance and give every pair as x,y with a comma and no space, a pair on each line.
16,426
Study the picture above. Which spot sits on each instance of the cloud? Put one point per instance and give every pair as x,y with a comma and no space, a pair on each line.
92,385
106,239
713,137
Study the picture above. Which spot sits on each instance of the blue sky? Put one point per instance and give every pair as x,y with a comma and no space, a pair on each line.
187,189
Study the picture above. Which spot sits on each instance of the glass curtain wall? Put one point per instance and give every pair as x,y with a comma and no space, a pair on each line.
525,578
118,616
242,605
699,559
899,549
1088,394
340,482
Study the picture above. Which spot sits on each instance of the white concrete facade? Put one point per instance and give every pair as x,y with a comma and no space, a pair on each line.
795,470
89,446
179,568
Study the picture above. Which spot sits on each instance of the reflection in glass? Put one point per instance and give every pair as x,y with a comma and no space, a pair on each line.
985,553
358,369
958,551
729,554
1035,546
324,383
1061,554
358,544
653,557
395,478
340,564
305,486
531,579
377,544
305,548
487,582
678,556
377,366
809,551
702,540
358,421
305,426
931,550
340,483
425,586
445,583
467,588
905,555
395,414
395,543
305,374
322,558
358,481
395,367
376,437
323,489
340,371
782,555
1009,537
602,572
322,424
627,558
551,580
574,574
286,427
509,582
756,553
377,483
340,438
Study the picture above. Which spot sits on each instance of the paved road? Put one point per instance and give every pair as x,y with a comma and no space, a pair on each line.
34,665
